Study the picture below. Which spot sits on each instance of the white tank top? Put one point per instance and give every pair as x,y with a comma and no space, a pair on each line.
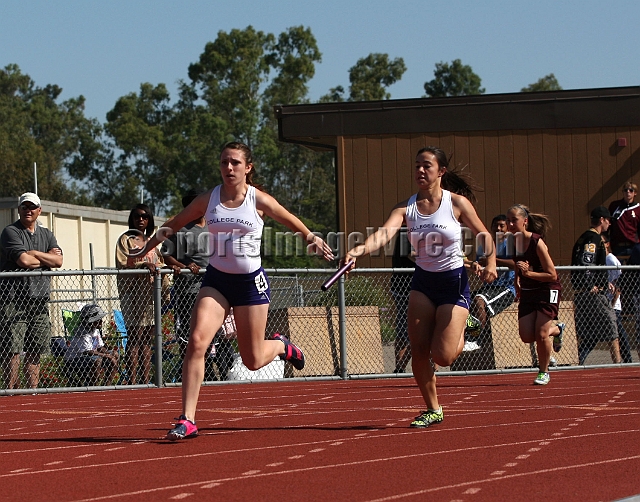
235,234
436,237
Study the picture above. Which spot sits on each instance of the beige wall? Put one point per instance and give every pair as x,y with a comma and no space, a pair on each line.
75,228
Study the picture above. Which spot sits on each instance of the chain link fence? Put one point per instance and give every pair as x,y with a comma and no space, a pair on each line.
357,329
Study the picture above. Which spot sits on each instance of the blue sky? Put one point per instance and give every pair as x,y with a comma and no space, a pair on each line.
104,50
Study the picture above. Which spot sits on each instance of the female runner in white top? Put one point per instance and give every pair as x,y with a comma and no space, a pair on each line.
212,307
436,329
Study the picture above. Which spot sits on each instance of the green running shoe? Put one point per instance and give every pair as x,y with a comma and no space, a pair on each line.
542,379
473,325
428,418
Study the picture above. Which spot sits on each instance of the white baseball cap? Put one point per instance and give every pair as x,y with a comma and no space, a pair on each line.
29,197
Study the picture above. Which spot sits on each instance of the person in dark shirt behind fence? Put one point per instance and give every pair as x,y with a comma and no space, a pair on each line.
24,312
493,298
189,248
594,316
625,218
400,289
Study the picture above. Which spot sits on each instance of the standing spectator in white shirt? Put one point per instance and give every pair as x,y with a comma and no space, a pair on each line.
614,297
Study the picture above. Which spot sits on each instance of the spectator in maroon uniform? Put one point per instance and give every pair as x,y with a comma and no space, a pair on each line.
625,216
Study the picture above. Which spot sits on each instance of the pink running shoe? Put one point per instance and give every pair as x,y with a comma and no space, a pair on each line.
292,353
184,428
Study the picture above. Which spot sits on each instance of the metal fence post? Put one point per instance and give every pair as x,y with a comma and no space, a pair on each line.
342,328
93,277
157,311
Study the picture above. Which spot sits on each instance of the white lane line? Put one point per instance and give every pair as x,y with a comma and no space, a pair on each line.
502,478
497,473
372,461
250,473
295,457
181,496
618,433
275,464
316,450
55,463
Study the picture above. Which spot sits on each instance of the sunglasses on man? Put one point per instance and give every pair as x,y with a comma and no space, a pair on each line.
29,207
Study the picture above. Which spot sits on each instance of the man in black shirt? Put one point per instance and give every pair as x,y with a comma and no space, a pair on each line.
594,316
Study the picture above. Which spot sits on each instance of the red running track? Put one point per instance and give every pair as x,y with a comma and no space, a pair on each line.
502,439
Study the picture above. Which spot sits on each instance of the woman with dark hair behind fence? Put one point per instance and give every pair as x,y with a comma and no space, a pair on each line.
234,277
136,291
537,286
439,297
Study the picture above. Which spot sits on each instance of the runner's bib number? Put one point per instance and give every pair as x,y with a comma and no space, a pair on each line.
261,283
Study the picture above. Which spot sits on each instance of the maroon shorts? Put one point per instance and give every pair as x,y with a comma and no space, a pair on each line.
545,301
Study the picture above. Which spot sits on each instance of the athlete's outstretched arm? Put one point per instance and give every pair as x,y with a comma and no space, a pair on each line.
381,236
269,206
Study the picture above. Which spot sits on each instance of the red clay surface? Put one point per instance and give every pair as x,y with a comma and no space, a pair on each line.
502,439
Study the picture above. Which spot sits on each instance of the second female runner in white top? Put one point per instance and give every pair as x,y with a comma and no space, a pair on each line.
439,298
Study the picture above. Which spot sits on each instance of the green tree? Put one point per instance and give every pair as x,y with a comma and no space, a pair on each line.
547,83
369,77
36,127
229,77
301,180
335,95
168,147
453,79
142,154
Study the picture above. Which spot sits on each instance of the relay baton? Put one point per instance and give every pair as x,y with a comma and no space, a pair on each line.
329,282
